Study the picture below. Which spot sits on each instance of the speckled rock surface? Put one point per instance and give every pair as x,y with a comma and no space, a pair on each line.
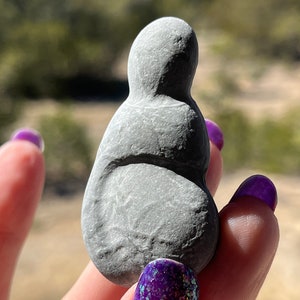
146,196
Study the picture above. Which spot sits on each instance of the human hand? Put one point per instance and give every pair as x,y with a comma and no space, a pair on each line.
249,237
248,231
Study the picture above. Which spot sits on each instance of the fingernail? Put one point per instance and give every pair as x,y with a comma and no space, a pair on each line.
215,133
260,187
166,279
29,135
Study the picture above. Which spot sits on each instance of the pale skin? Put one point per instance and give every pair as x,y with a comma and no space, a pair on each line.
248,242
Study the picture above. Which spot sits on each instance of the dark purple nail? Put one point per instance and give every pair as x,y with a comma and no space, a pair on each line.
260,187
166,279
29,135
215,133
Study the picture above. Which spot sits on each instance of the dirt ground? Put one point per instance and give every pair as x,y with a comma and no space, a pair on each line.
54,254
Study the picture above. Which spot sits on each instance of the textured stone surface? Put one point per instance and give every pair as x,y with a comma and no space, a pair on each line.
146,197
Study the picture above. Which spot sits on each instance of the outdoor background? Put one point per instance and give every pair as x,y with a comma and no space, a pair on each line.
63,72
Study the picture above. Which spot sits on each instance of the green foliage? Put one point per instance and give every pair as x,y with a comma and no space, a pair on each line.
67,150
291,141
227,83
9,111
270,28
268,145
45,44
272,144
237,132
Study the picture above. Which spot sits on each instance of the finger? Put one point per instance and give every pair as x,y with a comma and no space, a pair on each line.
129,295
248,242
93,285
21,184
165,279
215,167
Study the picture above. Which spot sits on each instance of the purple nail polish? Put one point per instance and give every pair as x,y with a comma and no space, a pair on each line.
215,133
166,279
29,135
260,187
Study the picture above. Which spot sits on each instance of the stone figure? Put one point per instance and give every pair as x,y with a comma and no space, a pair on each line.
146,197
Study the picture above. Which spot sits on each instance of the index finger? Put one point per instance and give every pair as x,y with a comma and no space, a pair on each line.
21,184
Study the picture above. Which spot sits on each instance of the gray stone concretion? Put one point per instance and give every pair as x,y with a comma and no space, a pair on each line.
146,197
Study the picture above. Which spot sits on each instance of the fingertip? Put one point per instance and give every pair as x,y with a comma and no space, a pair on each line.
24,151
259,187
249,236
215,133
29,135
22,175
24,157
21,185
129,295
165,278
251,225
93,285
215,169
249,219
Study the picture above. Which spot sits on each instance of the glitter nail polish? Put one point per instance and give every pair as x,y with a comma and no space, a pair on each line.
165,279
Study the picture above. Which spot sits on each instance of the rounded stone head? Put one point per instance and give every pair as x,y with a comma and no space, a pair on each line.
146,197
163,59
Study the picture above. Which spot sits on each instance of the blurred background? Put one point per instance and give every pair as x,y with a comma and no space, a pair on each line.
63,72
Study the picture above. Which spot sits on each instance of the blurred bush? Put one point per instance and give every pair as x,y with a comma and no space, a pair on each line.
9,112
271,150
237,133
45,45
266,145
67,152
269,28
